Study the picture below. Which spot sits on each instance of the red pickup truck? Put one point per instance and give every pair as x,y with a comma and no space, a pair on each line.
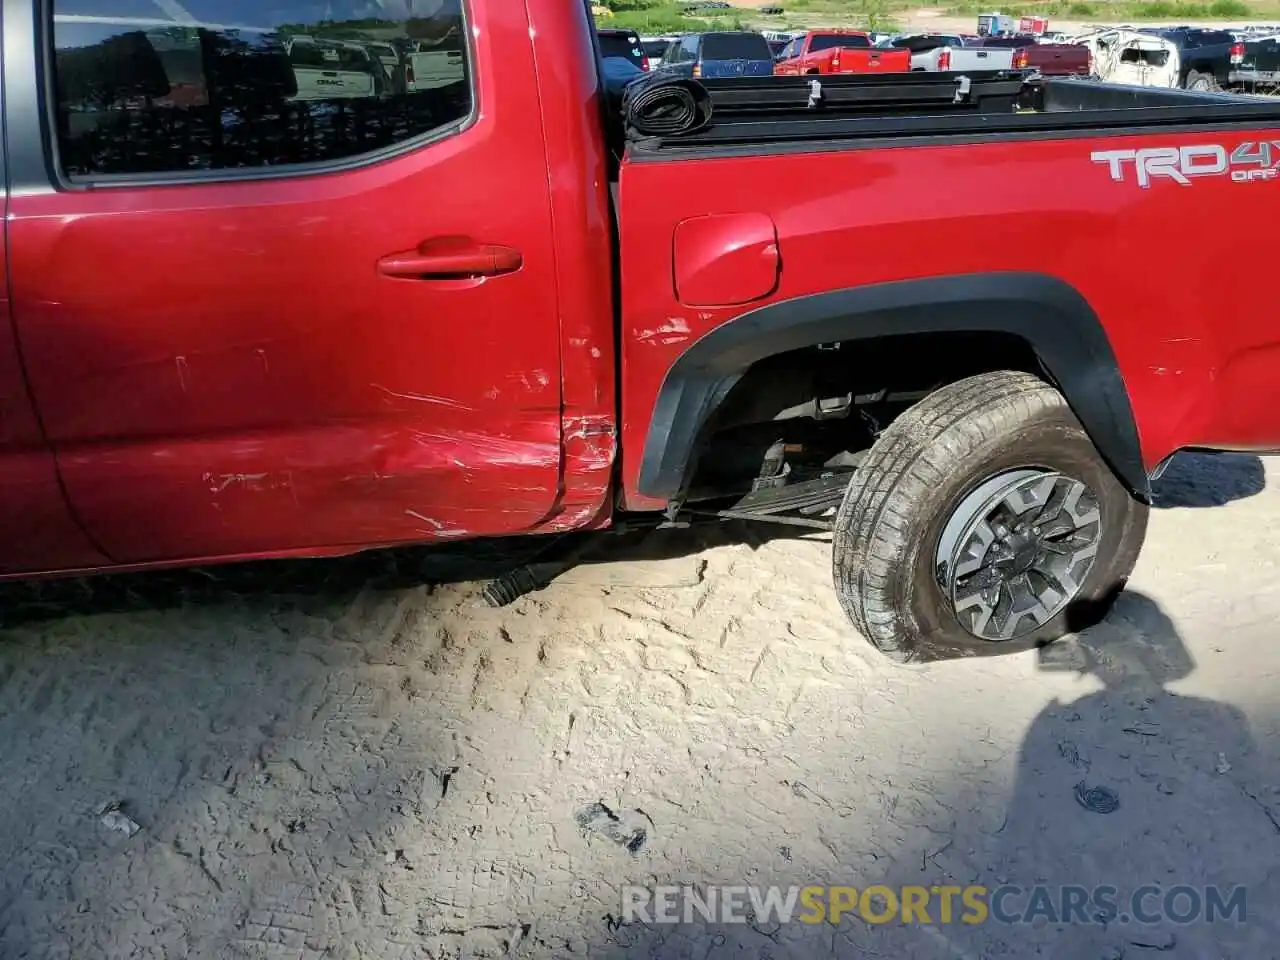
838,51
1050,59
265,325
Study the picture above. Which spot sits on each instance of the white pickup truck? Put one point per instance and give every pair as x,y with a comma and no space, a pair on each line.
1131,57
939,52
430,67
334,69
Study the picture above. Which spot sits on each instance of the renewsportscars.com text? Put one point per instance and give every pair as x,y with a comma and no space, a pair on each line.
945,904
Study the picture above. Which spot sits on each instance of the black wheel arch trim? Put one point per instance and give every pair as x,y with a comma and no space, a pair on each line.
1048,313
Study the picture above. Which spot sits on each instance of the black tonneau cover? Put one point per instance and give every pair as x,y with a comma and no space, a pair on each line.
773,113
855,94
661,106
727,110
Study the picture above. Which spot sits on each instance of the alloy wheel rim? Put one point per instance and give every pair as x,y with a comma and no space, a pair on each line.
1017,550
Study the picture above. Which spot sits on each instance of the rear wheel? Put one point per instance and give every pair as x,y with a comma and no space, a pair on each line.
1202,82
983,520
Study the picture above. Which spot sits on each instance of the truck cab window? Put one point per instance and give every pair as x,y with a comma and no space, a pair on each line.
827,41
145,86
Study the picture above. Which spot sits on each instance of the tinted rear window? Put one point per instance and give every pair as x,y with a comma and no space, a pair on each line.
316,56
919,44
1210,38
827,41
148,88
621,45
735,46
1197,38
655,49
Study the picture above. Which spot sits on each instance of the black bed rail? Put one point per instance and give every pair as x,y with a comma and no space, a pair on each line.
829,96
776,112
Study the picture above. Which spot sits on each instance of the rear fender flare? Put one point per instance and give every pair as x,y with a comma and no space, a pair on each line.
1049,314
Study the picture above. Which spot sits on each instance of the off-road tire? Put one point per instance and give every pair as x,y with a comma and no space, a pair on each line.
1195,77
916,474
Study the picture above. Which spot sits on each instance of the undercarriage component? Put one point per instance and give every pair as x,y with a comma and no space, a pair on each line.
775,470
795,505
513,585
559,556
833,408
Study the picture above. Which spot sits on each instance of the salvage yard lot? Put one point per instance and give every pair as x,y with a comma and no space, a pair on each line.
338,760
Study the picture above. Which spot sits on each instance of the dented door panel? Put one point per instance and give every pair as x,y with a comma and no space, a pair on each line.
37,531
230,368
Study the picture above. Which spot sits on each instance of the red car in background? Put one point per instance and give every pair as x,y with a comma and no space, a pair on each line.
838,51
1051,59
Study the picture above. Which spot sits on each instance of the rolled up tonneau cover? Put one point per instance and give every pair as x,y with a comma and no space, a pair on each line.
680,109
664,106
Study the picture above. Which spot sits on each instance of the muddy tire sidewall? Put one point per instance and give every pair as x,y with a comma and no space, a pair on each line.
1056,443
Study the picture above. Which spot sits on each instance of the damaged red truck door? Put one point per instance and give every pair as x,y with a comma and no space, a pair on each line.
38,529
255,344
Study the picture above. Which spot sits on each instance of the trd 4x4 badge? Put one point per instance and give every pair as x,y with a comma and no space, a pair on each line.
1248,162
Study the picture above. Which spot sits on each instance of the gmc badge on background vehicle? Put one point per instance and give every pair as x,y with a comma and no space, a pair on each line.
1248,162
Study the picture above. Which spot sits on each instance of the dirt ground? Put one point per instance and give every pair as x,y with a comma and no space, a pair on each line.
338,759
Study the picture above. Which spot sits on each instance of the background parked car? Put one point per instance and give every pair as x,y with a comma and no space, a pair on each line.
625,44
944,52
392,60
335,69
655,48
1259,69
428,66
1206,57
719,55
838,51
1127,56
1050,59
618,73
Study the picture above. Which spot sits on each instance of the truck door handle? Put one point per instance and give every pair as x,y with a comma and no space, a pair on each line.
451,259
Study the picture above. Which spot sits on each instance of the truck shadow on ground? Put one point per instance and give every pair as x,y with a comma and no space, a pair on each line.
339,579
1209,480
336,755
1135,813
1192,480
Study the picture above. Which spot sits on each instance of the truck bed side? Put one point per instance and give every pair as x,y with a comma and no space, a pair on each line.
1050,59
851,60
896,232
1054,59
976,58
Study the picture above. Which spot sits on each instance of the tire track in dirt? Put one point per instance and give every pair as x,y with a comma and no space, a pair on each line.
379,768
